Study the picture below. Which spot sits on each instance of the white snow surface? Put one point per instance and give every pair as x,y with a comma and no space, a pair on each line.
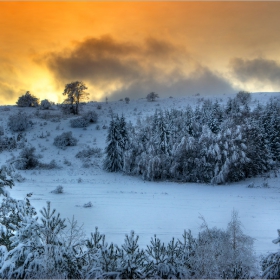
123,203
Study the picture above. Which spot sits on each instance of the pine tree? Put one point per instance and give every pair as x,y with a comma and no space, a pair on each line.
271,263
131,259
114,154
5,180
124,139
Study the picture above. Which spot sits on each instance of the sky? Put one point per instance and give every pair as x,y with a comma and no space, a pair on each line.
128,49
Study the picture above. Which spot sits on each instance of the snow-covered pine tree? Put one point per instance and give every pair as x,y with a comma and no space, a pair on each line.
52,225
157,254
5,180
114,154
163,134
273,134
37,249
21,235
271,263
257,148
131,259
93,267
123,133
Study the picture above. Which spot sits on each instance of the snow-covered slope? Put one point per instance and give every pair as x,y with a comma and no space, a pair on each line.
122,203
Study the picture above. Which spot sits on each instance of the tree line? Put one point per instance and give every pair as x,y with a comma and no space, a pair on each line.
211,143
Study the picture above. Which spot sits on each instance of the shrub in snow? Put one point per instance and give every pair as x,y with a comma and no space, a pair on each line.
51,165
127,99
85,120
79,122
90,116
65,140
45,104
218,252
89,152
7,143
28,100
1,131
152,96
19,122
87,205
99,107
27,159
58,190
18,178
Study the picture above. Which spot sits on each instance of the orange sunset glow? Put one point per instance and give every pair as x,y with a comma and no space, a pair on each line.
124,49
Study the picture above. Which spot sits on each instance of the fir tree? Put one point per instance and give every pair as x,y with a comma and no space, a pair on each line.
114,153
123,134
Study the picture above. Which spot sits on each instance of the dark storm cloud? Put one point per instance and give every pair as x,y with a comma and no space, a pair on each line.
256,69
201,81
154,65
97,60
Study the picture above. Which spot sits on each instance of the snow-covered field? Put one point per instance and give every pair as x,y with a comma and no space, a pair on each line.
123,203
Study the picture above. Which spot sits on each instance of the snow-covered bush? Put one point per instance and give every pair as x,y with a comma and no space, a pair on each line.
79,122
65,140
89,152
28,100
220,253
58,190
1,130
7,143
19,122
51,165
85,119
88,205
27,159
152,96
89,156
127,99
45,104
90,116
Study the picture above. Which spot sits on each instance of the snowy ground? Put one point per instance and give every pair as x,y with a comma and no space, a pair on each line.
123,203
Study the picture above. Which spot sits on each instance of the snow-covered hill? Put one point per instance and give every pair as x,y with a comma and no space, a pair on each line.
123,203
